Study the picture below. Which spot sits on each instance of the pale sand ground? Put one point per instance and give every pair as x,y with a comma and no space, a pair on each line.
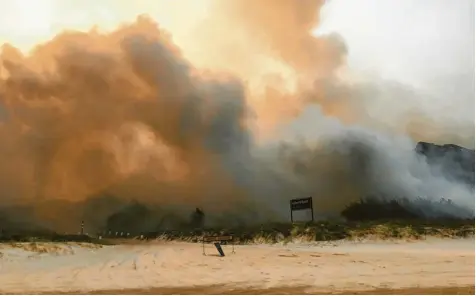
348,266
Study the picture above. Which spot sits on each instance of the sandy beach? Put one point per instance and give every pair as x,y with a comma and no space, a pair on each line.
149,267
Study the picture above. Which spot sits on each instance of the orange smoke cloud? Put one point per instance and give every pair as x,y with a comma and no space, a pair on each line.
87,110
126,114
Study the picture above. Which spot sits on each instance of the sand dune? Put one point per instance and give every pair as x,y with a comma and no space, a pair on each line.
346,266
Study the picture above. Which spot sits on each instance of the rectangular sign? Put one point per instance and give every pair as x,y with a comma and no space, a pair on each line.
218,238
302,216
301,203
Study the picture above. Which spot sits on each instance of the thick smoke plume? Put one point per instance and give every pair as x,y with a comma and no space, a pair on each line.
125,114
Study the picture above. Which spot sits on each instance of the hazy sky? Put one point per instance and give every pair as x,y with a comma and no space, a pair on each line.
409,40
425,43
417,41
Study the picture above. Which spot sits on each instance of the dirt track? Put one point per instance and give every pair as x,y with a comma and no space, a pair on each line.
429,267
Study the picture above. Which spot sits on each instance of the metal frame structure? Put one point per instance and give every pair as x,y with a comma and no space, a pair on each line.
217,239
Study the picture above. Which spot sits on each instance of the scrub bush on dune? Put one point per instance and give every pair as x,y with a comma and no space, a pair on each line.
381,208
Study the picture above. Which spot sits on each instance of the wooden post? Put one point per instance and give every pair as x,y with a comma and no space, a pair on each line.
312,211
219,249
291,210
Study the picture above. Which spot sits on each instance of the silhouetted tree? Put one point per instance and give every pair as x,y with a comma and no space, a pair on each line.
198,218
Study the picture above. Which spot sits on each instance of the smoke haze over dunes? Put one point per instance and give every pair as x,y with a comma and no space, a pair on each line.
260,113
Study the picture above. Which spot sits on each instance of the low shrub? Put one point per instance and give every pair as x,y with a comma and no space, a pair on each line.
382,208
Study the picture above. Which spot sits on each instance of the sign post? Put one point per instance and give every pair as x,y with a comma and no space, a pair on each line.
298,204
219,249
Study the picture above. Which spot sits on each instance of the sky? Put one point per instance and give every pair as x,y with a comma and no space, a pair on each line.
421,43
428,36
411,41
426,45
